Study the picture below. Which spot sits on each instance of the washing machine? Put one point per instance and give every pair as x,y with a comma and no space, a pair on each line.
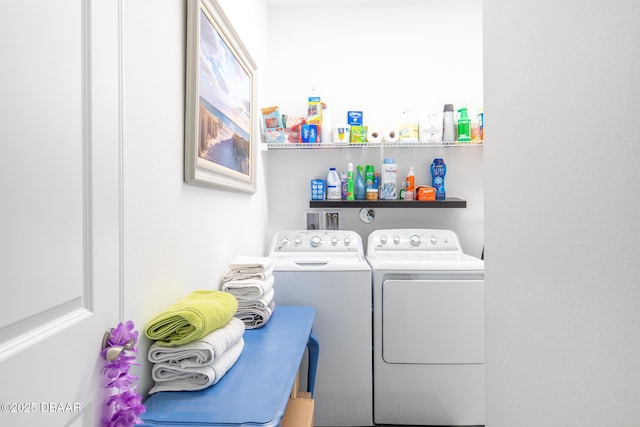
428,323
327,269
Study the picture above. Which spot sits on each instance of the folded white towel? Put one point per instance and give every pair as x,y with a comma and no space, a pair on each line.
201,352
259,303
255,317
170,377
243,275
248,289
247,265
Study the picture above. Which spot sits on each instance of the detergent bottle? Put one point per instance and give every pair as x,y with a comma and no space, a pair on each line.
360,186
438,171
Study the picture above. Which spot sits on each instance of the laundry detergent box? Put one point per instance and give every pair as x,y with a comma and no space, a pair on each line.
317,189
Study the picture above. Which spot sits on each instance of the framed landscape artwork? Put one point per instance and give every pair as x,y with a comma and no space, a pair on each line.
220,135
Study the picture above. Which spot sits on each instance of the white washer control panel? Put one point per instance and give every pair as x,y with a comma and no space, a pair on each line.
321,241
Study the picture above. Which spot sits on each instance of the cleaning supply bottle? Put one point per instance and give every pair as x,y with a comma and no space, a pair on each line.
350,183
447,124
430,128
388,185
464,126
368,177
343,185
376,183
334,185
438,171
410,184
360,188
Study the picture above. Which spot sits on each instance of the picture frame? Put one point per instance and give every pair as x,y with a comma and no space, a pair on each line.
221,136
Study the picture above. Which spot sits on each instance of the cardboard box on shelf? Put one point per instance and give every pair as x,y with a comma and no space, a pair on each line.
299,412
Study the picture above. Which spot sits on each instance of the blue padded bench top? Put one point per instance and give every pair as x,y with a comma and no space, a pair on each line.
255,391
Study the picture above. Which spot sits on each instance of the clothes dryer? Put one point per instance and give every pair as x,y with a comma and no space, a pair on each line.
428,322
327,269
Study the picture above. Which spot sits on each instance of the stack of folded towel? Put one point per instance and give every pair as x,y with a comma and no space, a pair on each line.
197,340
250,280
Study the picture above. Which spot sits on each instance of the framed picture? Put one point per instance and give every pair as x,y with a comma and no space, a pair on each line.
220,132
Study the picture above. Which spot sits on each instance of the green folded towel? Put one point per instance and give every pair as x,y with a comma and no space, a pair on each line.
193,317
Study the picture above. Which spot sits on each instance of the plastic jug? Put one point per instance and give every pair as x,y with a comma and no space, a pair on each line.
334,186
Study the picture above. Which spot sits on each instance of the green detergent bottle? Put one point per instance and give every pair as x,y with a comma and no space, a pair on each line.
464,126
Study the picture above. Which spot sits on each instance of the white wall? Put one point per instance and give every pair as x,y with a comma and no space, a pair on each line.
562,101
381,58
177,237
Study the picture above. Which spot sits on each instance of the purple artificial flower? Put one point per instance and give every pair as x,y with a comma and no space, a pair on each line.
124,406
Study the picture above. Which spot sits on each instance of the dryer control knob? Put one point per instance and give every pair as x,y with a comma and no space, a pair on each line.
298,241
347,241
396,240
334,241
284,241
433,240
383,240
316,241
414,240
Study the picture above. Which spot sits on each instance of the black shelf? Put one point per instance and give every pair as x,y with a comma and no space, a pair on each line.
450,202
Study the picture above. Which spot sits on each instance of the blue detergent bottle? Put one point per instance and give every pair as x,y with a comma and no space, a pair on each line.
438,171
360,187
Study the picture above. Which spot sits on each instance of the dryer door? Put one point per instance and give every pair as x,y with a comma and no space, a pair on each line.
433,321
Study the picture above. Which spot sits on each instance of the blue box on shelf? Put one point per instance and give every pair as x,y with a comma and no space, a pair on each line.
354,118
317,189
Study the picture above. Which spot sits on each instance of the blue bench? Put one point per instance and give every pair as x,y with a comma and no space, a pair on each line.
256,390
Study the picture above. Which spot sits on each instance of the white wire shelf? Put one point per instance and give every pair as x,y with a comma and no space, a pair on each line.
341,145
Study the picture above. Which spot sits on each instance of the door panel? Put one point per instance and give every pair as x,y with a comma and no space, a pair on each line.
433,321
60,174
